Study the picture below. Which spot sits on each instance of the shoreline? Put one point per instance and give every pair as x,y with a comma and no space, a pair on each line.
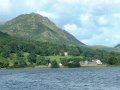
46,67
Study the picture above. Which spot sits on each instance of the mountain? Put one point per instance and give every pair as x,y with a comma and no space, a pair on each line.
38,28
117,46
4,37
10,44
1,23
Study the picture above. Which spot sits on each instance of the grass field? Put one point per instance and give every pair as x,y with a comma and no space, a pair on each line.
57,58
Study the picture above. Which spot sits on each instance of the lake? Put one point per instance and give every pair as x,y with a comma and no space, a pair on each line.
89,78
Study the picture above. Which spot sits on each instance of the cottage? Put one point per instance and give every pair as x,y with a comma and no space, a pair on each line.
49,65
97,61
60,64
66,53
86,62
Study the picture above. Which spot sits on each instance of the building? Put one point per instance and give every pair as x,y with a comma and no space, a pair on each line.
66,53
60,64
97,61
86,62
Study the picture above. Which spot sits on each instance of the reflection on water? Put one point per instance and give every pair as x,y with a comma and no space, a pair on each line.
101,78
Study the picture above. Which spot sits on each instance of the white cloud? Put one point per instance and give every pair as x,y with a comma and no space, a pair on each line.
69,1
5,6
102,21
102,36
117,2
35,4
116,15
91,3
46,14
71,28
85,18
109,36
78,32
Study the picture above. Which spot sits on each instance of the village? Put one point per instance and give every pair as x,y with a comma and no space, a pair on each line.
94,62
85,63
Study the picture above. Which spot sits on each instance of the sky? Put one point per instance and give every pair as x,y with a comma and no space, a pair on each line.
94,22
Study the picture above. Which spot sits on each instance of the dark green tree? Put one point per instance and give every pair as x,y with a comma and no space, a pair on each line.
32,58
54,64
41,60
112,60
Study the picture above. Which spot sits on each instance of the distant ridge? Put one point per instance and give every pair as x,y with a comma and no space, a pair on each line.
117,46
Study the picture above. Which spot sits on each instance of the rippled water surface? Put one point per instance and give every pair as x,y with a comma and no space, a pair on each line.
100,78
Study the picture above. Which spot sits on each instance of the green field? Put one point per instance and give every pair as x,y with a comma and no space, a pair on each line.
57,58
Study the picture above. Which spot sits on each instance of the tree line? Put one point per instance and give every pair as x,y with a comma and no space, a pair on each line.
13,49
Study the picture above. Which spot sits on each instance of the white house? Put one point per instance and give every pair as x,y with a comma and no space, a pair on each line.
49,65
86,62
60,64
97,61
66,53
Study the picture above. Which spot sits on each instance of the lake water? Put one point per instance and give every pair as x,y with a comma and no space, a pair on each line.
99,78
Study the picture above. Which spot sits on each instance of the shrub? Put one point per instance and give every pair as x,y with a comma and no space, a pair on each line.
54,64
70,62
4,64
32,58
42,60
112,61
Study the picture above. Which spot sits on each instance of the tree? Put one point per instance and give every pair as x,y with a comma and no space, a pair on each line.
74,62
64,61
20,59
41,60
32,58
112,61
4,64
54,64
6,54
19,54
71,62
21,62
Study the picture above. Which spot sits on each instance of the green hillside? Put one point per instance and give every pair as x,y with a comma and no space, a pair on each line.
38,28
105,48
19,52
117,46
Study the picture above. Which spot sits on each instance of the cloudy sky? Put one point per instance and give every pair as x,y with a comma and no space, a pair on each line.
93,22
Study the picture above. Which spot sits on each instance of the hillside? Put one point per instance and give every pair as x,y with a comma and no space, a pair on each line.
105,48
38,28
117,46
18,52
